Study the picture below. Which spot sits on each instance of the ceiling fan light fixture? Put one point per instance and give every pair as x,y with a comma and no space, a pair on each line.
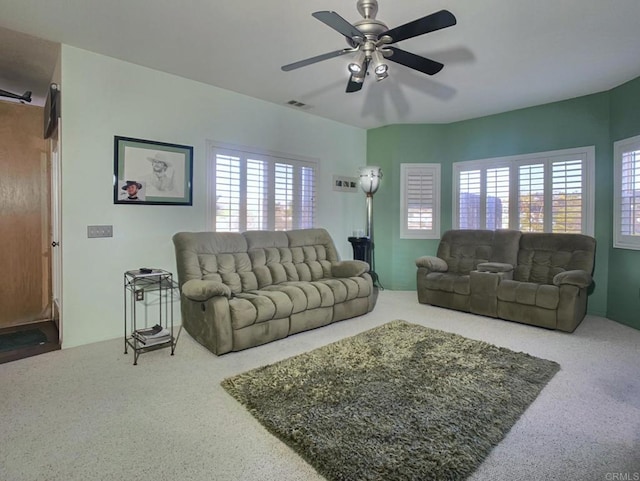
358,77
380,68
355,68
381,76
357,65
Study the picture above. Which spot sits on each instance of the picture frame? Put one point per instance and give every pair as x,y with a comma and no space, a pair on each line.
345,184
148,172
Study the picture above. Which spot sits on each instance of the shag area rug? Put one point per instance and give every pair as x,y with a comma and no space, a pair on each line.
398,402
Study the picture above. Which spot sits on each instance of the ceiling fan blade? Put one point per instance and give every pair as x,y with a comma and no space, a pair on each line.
416,62
318,58
430,23
339,24
353,86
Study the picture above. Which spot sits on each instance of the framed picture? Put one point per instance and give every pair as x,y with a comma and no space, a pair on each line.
149,172
345,184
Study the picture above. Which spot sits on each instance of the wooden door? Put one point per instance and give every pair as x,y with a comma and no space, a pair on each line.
25,251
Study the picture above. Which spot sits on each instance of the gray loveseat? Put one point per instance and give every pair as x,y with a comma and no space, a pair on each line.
243,290
533,278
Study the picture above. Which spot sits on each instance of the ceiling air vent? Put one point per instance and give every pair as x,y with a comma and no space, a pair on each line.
299,105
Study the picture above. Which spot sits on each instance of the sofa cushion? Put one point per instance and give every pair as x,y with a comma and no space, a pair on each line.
529,293
278,257
464,249
312,293
296,295
365,287
247,308
201,290
349,268
196,253
447,282
495,267
226,268
432,263
338,289
326,294
543,256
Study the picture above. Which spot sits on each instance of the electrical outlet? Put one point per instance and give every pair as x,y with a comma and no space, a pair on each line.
139,295
99,231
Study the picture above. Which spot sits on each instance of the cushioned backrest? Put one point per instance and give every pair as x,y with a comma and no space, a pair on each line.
313,252
463,250
299,255
542,256
254,259
506,244
217,256
270,259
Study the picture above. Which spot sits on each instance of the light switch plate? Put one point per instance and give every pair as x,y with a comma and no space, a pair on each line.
99,231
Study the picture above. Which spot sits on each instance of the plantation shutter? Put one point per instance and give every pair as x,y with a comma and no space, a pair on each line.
227,193
256,197
567,186
543,192
630,194
626,230
283,197
469,200
307,198
497,199
420,201
531,197
249,192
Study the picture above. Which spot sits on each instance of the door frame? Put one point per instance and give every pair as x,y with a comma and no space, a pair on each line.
56,228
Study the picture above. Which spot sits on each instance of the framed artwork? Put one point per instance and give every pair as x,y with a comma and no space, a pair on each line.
345,184
149,172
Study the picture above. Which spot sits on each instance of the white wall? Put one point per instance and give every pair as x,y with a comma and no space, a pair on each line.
103,97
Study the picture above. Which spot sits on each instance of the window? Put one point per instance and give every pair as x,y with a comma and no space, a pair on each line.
259,191
626,224
543,192
420,201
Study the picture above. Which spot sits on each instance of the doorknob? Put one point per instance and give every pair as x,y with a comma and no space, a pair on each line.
54,244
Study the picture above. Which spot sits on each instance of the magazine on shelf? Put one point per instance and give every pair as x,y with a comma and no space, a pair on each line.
152,335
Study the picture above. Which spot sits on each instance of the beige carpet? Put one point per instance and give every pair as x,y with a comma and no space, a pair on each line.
86,413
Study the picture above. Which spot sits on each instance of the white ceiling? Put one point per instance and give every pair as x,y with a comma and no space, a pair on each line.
502,55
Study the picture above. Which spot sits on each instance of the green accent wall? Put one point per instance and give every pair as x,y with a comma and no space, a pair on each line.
624,264
572,123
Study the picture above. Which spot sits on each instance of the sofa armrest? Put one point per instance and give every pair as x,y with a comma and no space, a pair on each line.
349,268
201,290
494,267
576,278
433,263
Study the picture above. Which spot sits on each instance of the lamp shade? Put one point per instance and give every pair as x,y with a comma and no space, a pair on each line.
370,179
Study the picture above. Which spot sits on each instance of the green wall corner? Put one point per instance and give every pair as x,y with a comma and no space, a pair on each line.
596,119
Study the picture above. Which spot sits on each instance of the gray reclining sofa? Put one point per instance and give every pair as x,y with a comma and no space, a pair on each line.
532,278
242,290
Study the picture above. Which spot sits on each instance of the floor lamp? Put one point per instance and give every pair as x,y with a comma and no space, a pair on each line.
370,181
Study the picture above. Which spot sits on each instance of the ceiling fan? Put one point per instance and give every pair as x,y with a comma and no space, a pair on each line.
370,39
